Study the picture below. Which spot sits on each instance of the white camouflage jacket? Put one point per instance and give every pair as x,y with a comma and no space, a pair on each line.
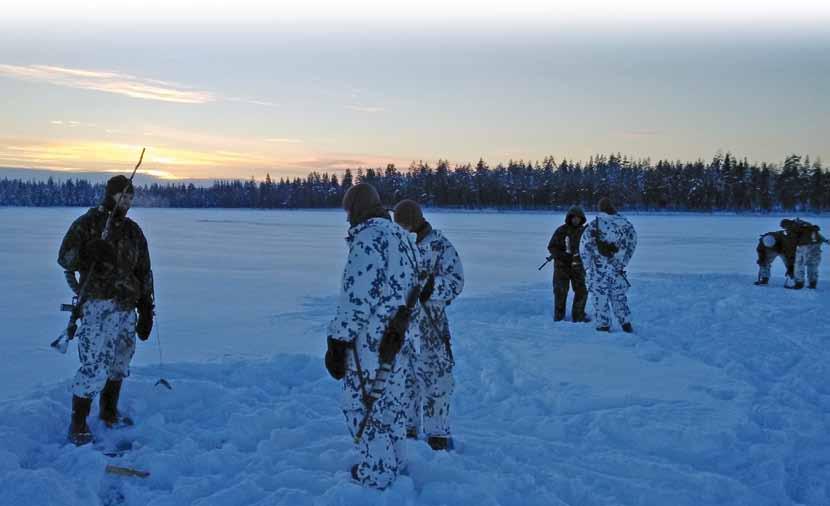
613,229
439,258
381,269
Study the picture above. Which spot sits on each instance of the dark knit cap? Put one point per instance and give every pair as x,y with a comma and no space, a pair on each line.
605,206
118,184
362,202
408,214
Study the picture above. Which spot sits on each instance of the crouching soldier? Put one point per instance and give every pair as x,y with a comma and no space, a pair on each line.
607,246
567,266
118,281
771,246
807,253
370,341
444,276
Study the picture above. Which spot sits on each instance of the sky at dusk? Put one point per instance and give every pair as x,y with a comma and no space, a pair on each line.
242,89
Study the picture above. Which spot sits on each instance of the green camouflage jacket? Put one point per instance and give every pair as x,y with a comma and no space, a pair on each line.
130,280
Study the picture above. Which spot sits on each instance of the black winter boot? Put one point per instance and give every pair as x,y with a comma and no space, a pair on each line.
108,405
628,328
798,285
813,285
762,281
439,443
79,433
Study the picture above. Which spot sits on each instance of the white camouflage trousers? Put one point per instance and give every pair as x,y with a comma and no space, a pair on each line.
430,394
807,257
382,448
608,292
106,344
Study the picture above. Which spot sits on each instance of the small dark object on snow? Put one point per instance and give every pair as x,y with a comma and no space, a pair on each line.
628,328
163,382
440,443
411,433
126,471
605,328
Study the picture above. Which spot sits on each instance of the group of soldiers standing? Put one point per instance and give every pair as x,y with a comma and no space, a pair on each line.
592,258
389,341
798,244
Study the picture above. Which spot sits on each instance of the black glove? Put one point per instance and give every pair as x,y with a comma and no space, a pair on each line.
98,251
606,249
336,358
426,291
392,340
145,320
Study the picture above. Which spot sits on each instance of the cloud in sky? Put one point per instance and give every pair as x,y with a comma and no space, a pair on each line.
283,140
369,110
119,84
108,82
70,123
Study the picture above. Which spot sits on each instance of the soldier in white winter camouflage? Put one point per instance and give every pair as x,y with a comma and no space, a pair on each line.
381,273
118,282
808,242
608,243
444,274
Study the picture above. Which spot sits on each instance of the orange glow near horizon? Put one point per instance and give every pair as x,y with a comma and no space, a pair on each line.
174,163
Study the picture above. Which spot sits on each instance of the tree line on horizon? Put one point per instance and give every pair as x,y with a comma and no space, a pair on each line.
723,184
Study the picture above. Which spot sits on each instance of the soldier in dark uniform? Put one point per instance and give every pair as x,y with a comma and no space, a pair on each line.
771,246
567,267
119,283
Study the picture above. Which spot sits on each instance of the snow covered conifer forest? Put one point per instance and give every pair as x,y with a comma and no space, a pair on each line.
724,183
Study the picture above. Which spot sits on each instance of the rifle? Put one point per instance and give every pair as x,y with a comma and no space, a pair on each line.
61,344
395,330
547,261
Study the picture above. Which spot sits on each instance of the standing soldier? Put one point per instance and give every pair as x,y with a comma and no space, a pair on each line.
808,251
567,266
118,282
771,246
370,337
607,247
444,282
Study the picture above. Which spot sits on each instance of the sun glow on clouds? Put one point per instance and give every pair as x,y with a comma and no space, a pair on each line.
102,156
108,82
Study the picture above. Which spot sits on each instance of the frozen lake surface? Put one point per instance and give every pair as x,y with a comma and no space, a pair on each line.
721,397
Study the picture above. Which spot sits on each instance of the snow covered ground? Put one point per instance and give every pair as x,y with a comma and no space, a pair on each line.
721,397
